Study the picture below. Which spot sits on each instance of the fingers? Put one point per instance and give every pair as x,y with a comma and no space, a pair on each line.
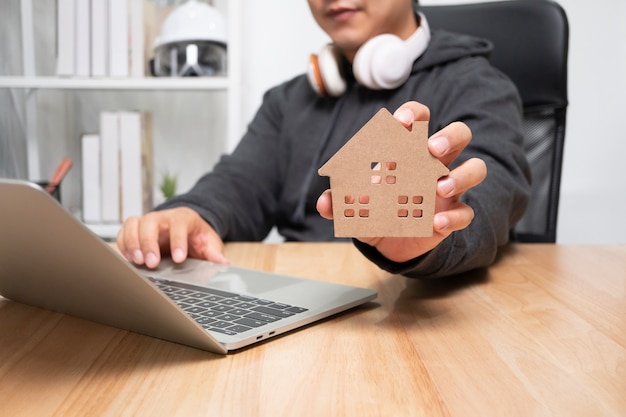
445,144
448,143
149,251
467,175
410,112
455,215
181,231
138,239
121,238
203,241
214,249
128,241
456,218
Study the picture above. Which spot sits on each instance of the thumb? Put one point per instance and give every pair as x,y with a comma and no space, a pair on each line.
214,248
215,254
325,205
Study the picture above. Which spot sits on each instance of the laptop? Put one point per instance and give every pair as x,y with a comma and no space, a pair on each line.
50,259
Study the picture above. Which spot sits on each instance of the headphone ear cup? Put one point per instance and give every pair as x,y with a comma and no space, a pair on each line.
325,73
315,75
382,63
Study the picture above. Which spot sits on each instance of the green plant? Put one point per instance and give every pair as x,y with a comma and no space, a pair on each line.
168,185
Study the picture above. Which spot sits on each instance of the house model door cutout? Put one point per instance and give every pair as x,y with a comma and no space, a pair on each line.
383,181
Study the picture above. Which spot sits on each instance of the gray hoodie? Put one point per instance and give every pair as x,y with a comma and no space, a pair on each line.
271,177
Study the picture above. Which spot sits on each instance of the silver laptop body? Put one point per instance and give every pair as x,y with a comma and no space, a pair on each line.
49,259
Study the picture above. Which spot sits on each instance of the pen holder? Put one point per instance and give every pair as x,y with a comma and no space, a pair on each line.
56,192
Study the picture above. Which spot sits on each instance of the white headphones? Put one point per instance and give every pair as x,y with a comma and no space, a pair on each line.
382,63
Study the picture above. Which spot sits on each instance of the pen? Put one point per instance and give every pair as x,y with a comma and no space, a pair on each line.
62,168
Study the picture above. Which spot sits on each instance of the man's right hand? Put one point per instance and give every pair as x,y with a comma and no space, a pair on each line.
181,232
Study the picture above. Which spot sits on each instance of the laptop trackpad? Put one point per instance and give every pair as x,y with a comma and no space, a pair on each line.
221,277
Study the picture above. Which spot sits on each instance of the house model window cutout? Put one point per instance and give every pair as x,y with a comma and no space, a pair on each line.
383,181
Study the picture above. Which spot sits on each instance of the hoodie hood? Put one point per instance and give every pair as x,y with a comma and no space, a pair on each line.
445,47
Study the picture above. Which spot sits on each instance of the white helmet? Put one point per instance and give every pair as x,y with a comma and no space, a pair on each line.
192,41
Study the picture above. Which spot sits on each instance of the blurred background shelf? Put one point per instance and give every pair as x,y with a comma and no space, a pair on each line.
195,119
147,83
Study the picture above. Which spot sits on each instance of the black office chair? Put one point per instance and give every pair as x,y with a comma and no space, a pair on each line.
530,40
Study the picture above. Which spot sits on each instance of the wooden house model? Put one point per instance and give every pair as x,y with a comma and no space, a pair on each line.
383,181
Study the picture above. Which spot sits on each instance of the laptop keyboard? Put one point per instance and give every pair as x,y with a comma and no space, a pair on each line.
225,312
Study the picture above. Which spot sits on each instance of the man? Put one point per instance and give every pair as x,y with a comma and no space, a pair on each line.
270,179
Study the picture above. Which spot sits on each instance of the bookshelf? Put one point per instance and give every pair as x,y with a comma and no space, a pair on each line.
146,83
31,85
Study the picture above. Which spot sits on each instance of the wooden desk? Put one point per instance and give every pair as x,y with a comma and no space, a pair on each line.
541,333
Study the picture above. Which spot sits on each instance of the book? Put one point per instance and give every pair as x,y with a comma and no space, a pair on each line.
110,162
118,38
137,38
90,176
82,41
136,156
66,24
99,38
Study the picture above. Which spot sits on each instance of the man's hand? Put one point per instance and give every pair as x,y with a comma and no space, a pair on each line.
450,213
179,231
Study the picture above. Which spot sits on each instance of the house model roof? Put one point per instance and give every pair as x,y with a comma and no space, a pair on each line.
383,181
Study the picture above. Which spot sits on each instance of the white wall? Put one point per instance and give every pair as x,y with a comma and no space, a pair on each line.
593,192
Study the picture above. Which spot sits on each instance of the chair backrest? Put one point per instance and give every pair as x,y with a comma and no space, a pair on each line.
530,40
